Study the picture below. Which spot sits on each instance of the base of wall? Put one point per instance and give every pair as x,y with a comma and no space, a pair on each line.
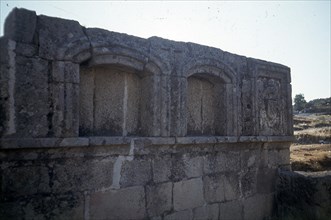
137,178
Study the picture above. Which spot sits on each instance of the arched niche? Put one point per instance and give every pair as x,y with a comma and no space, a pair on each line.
210,102
116,97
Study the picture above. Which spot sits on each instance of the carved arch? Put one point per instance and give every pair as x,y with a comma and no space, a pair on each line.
129,80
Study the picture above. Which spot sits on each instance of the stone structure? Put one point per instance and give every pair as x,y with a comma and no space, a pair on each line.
304,195
101,125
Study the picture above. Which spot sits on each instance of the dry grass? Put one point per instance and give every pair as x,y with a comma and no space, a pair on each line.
312,151
315,157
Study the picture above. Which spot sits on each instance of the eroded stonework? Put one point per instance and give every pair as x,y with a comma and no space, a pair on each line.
96,124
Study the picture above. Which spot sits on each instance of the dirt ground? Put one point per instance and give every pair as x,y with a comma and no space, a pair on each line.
312,150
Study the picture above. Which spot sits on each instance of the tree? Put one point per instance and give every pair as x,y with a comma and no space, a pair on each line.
299,102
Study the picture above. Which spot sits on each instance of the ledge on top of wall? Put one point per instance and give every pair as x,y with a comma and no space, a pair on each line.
22,143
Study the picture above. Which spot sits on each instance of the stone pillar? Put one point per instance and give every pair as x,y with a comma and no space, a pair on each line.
64,94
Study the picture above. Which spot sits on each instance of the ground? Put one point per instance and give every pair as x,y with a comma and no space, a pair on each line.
312,150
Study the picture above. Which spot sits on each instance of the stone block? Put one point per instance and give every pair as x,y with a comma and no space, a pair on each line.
258,207
266,180
178,124
193,166
65,72
65,103
57,91
222,161
60,39
27,50
188,194
101,38
248,181
20,25
82,174
132,105
135,172
231,210
31,97
219,188
182,215
150,105
159,198
127,203
209,212
205,112
250,158
44,206
165,105
214,188
177,167
86,101
161,168
108,103
231,187
283,157
24,181
71,113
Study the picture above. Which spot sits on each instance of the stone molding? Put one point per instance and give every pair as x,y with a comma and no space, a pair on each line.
21,143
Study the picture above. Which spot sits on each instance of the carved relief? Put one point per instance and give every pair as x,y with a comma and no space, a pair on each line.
269,105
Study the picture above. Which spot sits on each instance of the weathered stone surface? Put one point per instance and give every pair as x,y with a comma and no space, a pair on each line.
178,122
65,72
128,203
183,196
31,97
159,198
161,169
185,215
82,174
193,166
206,107
278,157
20,25
258,207
219,188
23,181
59,38
266,180
222,161
28,50
206,212
303,195
248,182
44,206
230,210
135,172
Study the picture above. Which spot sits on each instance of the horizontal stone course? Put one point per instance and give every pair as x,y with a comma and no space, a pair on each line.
16,143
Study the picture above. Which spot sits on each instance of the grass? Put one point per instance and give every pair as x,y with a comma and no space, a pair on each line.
312,150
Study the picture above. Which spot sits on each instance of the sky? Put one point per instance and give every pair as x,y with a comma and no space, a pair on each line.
293,33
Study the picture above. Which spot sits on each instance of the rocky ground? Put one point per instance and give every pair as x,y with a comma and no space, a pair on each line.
312,150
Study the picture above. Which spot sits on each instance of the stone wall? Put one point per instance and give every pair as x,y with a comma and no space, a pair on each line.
304,195
101,125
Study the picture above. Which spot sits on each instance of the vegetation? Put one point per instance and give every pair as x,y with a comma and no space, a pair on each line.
319,106
299,102
313,106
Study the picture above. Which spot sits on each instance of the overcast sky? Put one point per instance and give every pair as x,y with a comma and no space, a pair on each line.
293,33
